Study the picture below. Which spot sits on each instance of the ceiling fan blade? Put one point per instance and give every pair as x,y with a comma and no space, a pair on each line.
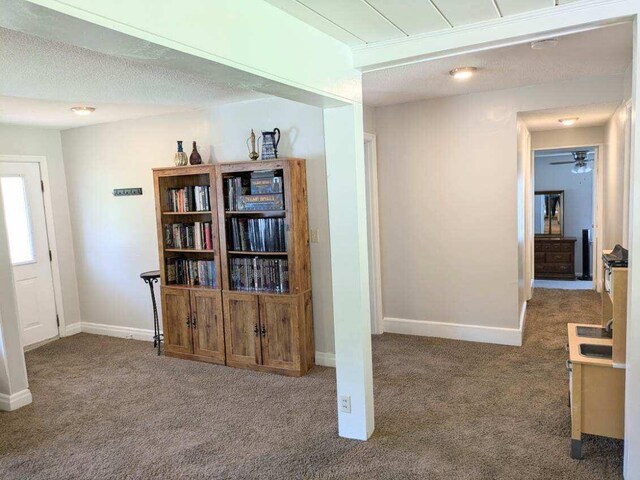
561,163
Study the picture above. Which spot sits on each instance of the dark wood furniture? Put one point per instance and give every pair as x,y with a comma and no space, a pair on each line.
555,258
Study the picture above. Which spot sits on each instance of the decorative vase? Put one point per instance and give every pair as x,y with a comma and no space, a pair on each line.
195,158
180,158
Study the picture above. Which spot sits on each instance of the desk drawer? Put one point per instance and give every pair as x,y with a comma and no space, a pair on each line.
558,257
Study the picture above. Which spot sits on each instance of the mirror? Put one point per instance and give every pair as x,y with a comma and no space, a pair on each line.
549,213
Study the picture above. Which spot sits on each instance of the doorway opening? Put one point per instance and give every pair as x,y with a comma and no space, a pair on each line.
564,223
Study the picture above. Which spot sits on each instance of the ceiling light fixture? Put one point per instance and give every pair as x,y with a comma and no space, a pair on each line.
567,122
83,110
544,44
463,73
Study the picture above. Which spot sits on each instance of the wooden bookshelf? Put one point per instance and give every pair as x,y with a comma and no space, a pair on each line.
192,314
269,330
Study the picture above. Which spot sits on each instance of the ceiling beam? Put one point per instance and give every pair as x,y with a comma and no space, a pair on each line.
502,32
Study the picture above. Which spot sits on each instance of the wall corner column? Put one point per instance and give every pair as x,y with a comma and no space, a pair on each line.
344,146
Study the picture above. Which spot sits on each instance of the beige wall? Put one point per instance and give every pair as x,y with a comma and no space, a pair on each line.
19,140
115,238
568,137
369,119
449,182
616,181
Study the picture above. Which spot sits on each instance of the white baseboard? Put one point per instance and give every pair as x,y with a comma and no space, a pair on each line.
71,329
117,331
523,317
8,403
325,359
322,358
455,331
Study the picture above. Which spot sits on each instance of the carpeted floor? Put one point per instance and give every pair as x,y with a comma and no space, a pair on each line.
108,408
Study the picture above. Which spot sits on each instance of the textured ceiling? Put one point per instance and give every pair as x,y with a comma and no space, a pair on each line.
63,76
360,22
602,52
588,116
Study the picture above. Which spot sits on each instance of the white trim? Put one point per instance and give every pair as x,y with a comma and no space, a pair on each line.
373,223
326,359
9,403
456,331
511,30
523,318
51,231
72,329
132,333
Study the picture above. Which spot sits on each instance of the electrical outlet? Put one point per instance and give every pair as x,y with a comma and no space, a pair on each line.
345,403
315,236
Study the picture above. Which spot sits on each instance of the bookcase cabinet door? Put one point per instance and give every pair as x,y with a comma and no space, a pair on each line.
241,329
208,330
176,317
279,318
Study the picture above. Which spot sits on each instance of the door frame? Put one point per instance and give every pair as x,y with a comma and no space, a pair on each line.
596,208
50,228
373,227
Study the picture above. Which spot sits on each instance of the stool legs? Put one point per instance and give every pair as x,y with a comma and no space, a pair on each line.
157,336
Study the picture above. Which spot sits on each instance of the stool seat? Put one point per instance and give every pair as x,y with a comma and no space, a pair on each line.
151,274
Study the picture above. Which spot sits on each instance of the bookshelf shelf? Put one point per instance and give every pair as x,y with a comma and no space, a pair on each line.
266,254
262,213
203,212
188,250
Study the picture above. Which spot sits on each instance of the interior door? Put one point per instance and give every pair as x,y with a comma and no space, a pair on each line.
176,318
241,329
279,330
29,249
208,324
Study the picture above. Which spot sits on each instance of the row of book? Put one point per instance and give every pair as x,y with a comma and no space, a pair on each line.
189,199
191,272
259,274
197,235
239,196
257,235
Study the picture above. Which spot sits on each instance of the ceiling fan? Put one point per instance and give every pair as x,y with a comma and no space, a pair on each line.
579,160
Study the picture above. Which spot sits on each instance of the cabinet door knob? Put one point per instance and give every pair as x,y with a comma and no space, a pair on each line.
193,322
264,331
188,321
255,329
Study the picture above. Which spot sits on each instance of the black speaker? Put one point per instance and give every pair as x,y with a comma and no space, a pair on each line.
586,256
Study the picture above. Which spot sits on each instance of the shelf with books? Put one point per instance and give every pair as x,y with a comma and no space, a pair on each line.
187,219
258,205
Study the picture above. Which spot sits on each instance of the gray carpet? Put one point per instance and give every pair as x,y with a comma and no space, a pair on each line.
109,408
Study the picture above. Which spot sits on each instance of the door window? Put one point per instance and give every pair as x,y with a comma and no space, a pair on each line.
16,211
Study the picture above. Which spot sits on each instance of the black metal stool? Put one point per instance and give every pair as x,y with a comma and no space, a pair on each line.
151,278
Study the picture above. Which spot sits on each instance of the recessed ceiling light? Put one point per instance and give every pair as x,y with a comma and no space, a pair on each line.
544,44
567,122
83,110
463,73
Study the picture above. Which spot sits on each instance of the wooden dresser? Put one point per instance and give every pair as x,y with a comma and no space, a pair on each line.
555,258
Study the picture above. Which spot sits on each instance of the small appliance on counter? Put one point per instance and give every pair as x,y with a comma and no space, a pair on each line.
618,257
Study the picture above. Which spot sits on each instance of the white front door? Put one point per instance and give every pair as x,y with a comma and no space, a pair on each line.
29,249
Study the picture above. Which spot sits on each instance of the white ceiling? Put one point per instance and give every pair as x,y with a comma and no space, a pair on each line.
588,116
48,78
601,52
359,22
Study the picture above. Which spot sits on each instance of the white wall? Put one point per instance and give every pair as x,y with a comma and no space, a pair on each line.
578,198
567,137
616,180
448,201
19,140
525,222
115,238
369,119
